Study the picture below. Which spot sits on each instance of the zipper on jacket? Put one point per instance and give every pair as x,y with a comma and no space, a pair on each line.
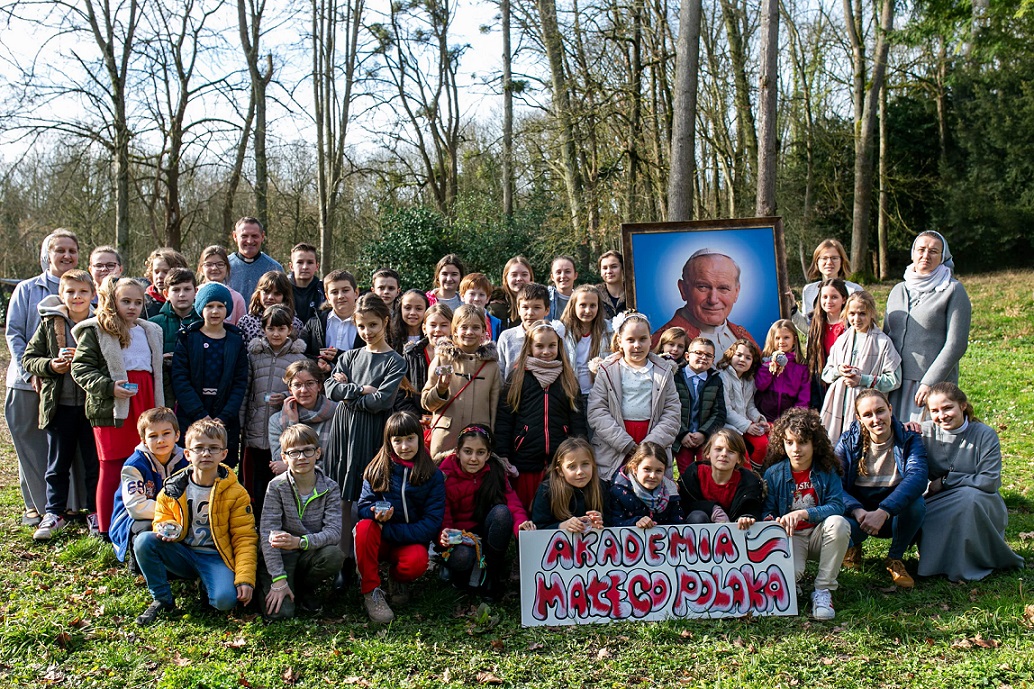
545,404
405,480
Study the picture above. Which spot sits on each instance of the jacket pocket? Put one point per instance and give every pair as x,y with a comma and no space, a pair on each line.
519,440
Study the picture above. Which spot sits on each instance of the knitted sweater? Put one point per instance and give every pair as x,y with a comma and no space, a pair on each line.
244,275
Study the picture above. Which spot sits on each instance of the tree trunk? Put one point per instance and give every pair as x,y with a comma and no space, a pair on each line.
746,133
681,178
884,213
507,115
768,98
864,143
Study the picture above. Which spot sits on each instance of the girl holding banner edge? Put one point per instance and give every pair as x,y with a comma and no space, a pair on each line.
571,496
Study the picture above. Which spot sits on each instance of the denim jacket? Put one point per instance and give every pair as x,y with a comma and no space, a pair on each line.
909,455
829,492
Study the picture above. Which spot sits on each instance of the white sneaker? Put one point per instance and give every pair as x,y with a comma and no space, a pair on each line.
50,525
822,605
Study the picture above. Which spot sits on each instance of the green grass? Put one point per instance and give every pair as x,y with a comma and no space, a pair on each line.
67,608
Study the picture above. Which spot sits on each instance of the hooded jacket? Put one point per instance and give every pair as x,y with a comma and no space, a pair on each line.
188,365
44,346
461,490
479,401
610,440
143,477
266,375
626,508
419,510
98,363
230,516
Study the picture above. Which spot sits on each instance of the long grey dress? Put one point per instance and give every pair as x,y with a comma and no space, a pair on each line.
964,533
357,430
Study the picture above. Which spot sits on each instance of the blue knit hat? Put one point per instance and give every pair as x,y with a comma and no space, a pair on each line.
213,291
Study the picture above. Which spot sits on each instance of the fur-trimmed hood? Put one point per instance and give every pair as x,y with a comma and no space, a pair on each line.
111,352
448,351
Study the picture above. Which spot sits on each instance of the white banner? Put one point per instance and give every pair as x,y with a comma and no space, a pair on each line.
692,571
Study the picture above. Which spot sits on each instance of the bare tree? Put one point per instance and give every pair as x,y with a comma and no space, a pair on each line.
249,22
682,173
504,7
333,79
768,99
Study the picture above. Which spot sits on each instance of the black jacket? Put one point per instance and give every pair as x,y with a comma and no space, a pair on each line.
529,436
748,501
315,335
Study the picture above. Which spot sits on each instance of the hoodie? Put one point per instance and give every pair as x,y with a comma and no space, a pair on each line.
53,333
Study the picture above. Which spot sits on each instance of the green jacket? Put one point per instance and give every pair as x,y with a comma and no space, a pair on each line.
44,347
98,363
171,324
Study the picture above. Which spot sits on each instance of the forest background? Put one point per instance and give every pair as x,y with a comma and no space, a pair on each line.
380,131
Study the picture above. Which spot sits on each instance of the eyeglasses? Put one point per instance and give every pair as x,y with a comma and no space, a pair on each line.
213,265
304,385
307,451
703,355
203,451
105,266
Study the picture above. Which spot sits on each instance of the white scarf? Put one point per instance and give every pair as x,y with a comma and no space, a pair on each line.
939,279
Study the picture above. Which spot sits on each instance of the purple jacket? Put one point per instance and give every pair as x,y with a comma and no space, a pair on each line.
776,394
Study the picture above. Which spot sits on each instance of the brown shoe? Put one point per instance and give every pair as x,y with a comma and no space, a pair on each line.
377,608
853,557
899,575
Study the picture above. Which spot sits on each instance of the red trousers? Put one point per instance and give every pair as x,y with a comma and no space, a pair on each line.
407,561
757,447
108,480
526,485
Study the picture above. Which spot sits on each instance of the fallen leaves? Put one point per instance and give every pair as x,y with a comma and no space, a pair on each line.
486,677
977,641
1027,535
1028,615
289,675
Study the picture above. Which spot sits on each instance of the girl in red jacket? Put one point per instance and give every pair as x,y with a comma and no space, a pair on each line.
481,513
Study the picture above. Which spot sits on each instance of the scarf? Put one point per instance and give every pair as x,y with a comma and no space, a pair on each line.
324,411
939,279
656,499
153,293
545,372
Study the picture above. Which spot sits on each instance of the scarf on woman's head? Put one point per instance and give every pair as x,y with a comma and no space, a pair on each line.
940,278
545,372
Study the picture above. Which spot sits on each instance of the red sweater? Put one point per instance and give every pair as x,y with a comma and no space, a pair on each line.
460,489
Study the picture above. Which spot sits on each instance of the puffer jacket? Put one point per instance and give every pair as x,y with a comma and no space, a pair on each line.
542,512
610,440
44,346
461,489
419,510
478,403
747,501
528,436
230,516
98,363
909,455
626,508
266,375
712,403
317,521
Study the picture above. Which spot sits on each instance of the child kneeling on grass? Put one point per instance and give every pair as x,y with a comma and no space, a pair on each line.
806,497
212,531
300,528
155,459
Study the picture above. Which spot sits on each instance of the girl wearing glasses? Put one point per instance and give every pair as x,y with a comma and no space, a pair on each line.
214,266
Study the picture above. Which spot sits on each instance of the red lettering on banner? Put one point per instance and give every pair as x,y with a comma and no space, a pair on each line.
584,553
704,546
578,601
610,549
551,594
559,551
724,546
682,546
655,548
632,548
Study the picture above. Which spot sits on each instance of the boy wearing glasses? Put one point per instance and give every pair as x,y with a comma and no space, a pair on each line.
300,529
703,402
204,529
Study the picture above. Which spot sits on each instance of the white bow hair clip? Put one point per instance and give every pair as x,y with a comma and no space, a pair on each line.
620,319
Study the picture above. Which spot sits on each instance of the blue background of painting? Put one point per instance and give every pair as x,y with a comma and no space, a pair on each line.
658,258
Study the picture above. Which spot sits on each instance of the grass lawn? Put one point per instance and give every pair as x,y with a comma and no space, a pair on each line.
67,608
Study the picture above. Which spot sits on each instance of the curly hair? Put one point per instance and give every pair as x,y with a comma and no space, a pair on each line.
805,425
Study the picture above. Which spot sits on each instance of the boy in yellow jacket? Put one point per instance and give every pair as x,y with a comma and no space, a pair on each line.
203,528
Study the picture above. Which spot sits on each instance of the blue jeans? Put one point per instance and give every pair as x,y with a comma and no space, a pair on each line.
901,528
159,559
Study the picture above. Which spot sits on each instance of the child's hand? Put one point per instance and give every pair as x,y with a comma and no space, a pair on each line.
595,519
695,439
244,592
526,526
167,357
275,598
278,466
340,377
443,539
646,523
745,523
384,516
60,365
120,392
324,366
328,354
755,429
443,382
774,368
285,541
369,389
573,525
790,520
594,365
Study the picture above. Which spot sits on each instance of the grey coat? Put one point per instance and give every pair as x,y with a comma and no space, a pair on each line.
266,375
963,536
318,521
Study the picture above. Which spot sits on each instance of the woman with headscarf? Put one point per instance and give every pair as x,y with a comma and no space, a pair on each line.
928,319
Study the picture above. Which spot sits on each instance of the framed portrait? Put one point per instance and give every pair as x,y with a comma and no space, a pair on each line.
722,279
